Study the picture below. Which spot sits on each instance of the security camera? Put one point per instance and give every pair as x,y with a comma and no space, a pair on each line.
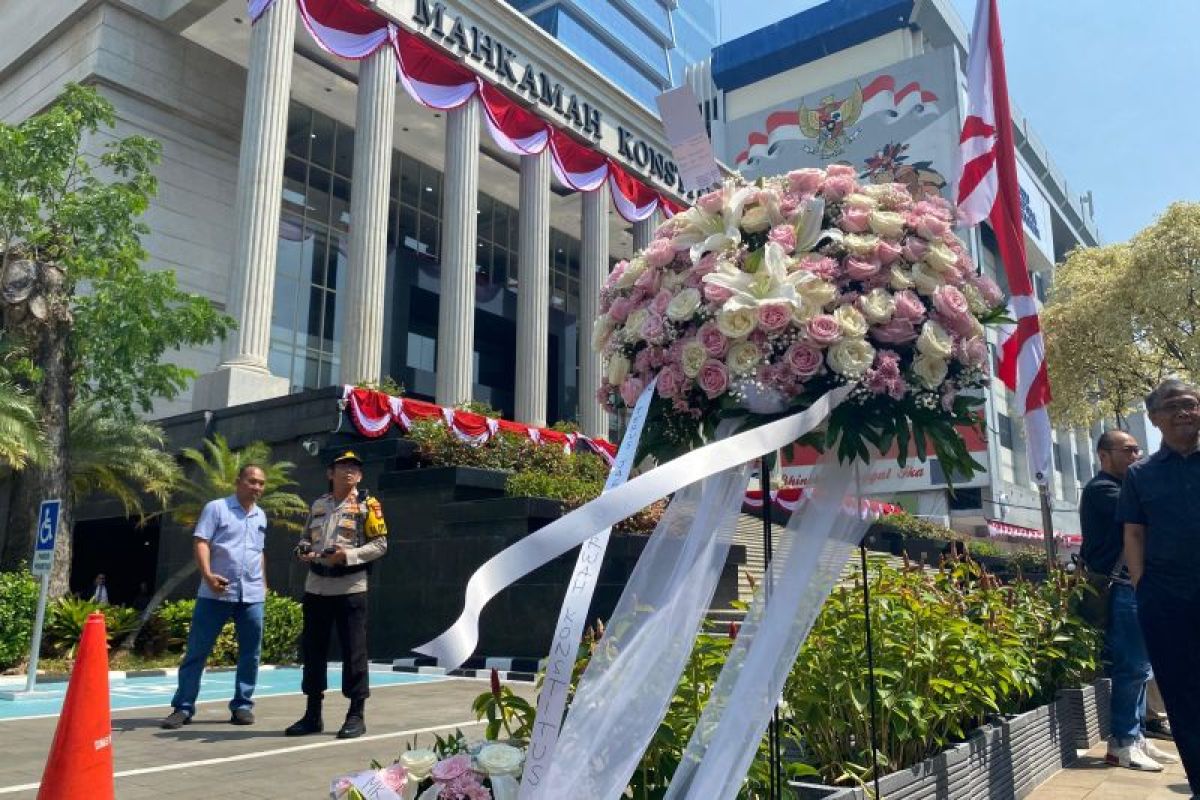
311,447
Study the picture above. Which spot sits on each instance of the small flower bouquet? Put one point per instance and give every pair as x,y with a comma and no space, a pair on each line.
763,297
452,770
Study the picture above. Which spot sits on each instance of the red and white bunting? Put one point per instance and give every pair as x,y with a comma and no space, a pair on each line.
374,413
997,529
789,498
351,30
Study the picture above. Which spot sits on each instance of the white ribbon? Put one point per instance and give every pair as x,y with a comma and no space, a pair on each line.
457,643
571,619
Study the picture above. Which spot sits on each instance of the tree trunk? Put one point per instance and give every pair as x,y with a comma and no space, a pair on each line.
178,577
54,474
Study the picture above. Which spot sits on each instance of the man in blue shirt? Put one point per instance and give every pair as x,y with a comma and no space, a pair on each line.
228,545
1160,509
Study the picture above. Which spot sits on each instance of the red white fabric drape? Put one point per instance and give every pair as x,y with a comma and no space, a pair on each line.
788,498
348,29
374,413
997,529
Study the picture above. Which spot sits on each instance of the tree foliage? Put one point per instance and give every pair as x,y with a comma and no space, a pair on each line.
1123,317
121,458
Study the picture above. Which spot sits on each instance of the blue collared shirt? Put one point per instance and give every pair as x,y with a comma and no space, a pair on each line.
236,539
1163,493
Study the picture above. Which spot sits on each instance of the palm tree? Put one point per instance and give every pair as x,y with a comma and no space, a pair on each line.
122,458
215,470
20,435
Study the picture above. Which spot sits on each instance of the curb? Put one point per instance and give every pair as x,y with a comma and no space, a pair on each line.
511,669
118,674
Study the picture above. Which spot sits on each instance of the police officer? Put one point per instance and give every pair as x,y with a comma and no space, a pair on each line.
345,531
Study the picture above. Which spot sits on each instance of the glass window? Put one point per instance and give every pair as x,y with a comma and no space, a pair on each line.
653,12
431,190
324,129
410,182
340,204
422,352
343,158
1005,425
319,189
298,129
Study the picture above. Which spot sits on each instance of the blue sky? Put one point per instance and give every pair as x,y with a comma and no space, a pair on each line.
1108,85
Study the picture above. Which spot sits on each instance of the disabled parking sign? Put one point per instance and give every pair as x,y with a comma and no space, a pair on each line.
47,532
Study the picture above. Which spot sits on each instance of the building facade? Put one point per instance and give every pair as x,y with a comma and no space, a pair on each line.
496,176
880,85
644,46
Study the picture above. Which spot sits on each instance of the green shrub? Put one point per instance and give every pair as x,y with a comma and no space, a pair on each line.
983,547
572,491
18,606
566,426
66,617
479,407
909,525
282,622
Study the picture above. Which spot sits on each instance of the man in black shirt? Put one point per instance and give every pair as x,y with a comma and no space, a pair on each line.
1124,649
1160,509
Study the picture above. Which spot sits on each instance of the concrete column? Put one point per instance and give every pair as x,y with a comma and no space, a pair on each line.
533,289
242,376
593,270
362,347
643,232
456,309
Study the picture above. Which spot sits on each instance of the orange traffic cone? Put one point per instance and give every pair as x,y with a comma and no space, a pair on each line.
81,760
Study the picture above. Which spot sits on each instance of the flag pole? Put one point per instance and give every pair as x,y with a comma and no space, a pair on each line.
1048,527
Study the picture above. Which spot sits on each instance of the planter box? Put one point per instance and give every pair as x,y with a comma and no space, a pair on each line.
1006,760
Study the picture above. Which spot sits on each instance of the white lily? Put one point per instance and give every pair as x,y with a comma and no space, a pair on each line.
772,283
808,226
701,233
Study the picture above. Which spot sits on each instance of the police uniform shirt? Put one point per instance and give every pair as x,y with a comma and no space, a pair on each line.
358,527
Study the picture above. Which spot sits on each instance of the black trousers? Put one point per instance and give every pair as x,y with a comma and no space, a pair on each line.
348,614
1171,628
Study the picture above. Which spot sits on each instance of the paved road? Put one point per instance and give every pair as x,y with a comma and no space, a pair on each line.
213,760
1090,778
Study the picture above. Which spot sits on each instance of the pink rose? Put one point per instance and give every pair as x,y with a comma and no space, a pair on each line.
803,360
973,351
931,227
834,170
824,267
716,294
855,219
773,317
657,357
824,329
641,362
713,378
988,290
951,303
784,236
806,181
394,777
450,768
711,203
713,341
620,309
631,390
860,269
887,252
649,282
660,302
659,253
670,381
909,307
837,187
914,249
617,271
789,202
896,331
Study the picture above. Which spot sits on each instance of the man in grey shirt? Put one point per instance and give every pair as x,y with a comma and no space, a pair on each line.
228,545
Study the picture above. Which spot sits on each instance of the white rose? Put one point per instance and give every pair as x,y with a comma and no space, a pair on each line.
901,279
692,358
860,200
887,223
756,220
633,324
850,358
737,324
854,325
926,279
683,305
804,310
602,329
975,300
817,291
976,328
743,358
633,271
499,759
877,306
672,280
940,257
935,341
861,244
418,763
618,368
930,370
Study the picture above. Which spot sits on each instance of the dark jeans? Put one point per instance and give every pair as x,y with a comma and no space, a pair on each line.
208,618
348,614
1128,665
1171,627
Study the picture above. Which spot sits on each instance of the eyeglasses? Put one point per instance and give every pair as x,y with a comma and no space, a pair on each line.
1187,406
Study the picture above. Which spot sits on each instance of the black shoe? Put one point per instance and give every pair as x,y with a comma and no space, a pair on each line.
241,716
175,720
304,726
352,728
1159,729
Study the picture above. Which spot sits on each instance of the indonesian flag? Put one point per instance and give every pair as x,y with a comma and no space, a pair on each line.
987,188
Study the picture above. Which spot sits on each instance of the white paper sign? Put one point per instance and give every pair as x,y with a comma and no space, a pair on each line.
690,145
